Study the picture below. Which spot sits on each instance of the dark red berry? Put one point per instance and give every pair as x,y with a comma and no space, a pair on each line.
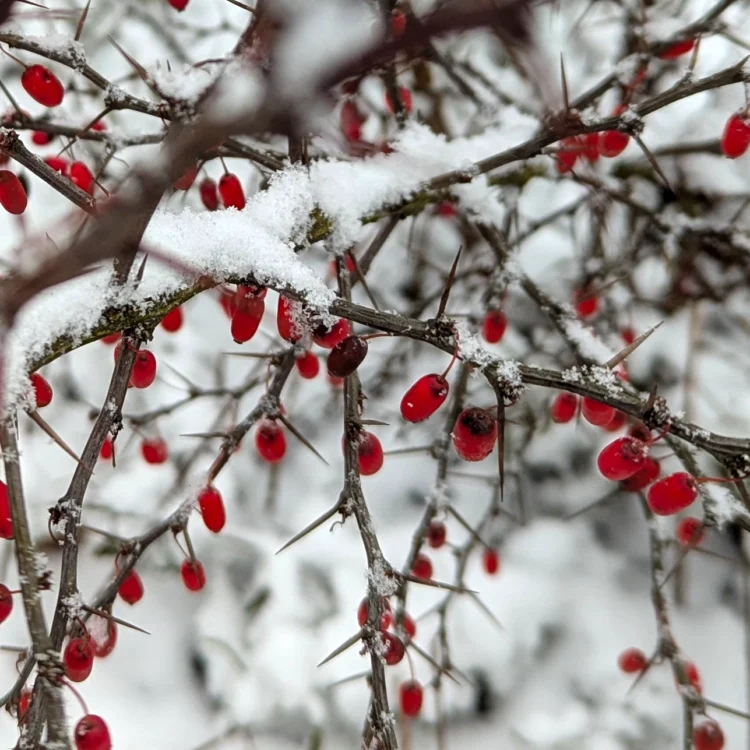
172,321
632,660
436,534
393,648
212,509
424,398
12,194
490,561
370,454
78,658
111,338
648,472
586,302
622,458
42,390
308,365
612,143
474,434
616,423
564,407
568,154
6,525
186,180
131,589
40,138
91,733
640,431
81,176
154,451
193,575
248,313
708,736
209,195
494,325
694,676
6,602
398,23
270,441
24,701
328,337
690,531
179,5
678,49
42,85
286,314
144,369
106,450
672,494
595,412
410,698
422,567
231,192
386,617
736,136
628,335
346,356
590,144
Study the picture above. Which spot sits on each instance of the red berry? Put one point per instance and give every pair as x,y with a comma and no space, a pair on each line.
231,192
286,313
57,163
474,434
370,454
694,676
81,176
24,701
386,617
678,49
640,431
248,313
42,390
106,450
708,736
154,451
12,193
424,398
436,534
564,407
672,493
346,356
622,458
42,85
422,567
628,335
446,209
6,525
172,321
351,120
270,441
208,194
586,303
185,182
410,626
111,338
99,126
393,648
690,531
410,698
398,23
632,660
103,635
328,337
78,658
193,575
490,561
131,589
648,472
179,5
591,147
40,138
91,733
6,602
212,509
612,143
596,412
567,156
617,422
144,369
494,325
308,365
405,96
736,136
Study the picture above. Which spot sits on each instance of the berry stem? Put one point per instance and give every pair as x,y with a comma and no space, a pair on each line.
453,358
77,695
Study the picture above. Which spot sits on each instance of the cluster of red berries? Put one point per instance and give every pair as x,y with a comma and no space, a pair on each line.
228,190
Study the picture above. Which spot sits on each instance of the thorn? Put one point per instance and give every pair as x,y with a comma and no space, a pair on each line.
250,355
376,422
348,643
351,678
82,21
564,80
475,598
361,277
432,661
467,526
118,620
406,451
449,284
139,69
192,386
630,348
652,161
611,495
311,527
40,422
641,675
13,102
242,5
684,552
141,269
203,434
501,443
436,584
301,437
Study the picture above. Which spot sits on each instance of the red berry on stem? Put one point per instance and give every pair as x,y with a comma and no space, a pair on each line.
351,120
424,398
494,325
81,176
617,422
12,194
694,676
346,356
595,412
490,561
568,154
193,575
446,209
393,648
246,319
564,407
708,736
678,49
42,390
57,163
24,701
42,85
690,531
410,626
586,302
6,602
209,195
78,658
103,635
270,441
308,365
231,192
736,136
672,494
212,509
131,589
612,143
40,138
144,369
106,450
648,472
91,733
286,312
422,567
185,182
154,451
474,434
328,337
410,698
622,458
632,660
628,335
370,454
111,338
179,5
172,321
436,534
386,617
6,525
640,431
